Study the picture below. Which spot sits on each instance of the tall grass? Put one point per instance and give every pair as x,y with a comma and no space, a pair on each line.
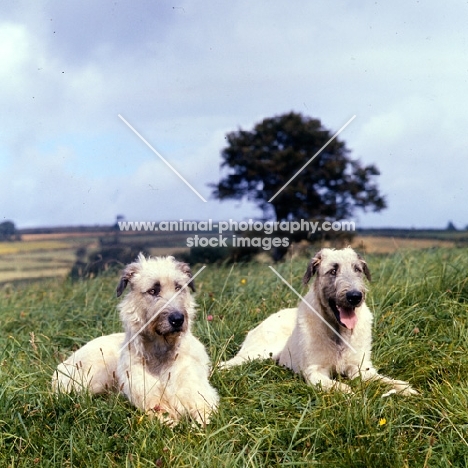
267,415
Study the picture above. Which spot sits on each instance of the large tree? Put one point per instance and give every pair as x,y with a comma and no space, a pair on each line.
260,162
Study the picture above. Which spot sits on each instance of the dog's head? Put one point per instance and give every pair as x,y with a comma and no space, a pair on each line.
316,261
159,299
340,286
142,263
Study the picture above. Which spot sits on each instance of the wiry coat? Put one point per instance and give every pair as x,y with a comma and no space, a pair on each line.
93,367
163,368
329,333
157,363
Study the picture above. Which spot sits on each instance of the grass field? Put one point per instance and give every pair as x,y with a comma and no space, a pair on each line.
267,417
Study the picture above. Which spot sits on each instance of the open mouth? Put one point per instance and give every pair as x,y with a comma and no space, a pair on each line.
346,316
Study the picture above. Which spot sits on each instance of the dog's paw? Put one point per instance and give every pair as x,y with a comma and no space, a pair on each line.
201,421
333,386
390,392
405,390
344,388
158,413
235,361
201,413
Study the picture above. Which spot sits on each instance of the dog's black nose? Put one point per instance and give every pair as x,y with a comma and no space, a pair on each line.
176,319
354,297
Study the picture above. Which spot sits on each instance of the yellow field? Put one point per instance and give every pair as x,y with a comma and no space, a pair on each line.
7,248
60,235
372,244
49,255
52,255
34,258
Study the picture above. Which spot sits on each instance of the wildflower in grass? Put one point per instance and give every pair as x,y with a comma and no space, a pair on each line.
243,281
209,318
382,422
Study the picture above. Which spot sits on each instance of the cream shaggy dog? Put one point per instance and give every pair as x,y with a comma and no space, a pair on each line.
329,333
157,363
92,367
163,369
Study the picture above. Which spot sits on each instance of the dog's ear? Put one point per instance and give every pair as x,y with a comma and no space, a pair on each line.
365,268
312,267
185,268
128,272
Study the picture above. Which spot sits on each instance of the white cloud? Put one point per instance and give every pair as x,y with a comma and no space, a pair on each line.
14,51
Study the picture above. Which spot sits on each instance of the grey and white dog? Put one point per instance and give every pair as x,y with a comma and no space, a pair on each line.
329,333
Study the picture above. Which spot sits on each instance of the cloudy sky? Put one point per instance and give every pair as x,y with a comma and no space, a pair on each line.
184,73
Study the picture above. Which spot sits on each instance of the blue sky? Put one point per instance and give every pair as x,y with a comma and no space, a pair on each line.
184,74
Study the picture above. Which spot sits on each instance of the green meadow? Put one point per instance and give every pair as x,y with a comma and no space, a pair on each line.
267,416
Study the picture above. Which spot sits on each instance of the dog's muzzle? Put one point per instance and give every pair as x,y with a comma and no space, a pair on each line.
346,314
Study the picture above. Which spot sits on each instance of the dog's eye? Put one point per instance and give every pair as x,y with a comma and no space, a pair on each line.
178,287
154,292
333,272
357,269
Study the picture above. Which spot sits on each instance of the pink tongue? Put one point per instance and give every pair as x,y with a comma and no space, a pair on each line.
347,317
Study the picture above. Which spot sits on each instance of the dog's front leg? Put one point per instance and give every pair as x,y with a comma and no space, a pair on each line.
319,375
197,397
368,372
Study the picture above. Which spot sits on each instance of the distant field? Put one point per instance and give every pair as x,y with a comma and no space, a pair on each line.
40,256
8,248
61,235
51,255
376,244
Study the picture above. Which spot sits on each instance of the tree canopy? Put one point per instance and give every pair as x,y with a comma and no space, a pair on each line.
260,162
8,231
